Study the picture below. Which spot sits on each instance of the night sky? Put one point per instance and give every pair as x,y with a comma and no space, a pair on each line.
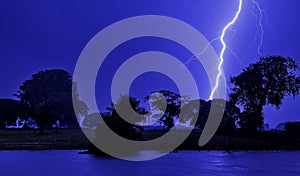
38,35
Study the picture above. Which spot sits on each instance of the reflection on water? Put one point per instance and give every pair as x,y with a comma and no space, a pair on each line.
44,163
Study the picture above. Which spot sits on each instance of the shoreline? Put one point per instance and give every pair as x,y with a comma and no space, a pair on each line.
87,148
74,139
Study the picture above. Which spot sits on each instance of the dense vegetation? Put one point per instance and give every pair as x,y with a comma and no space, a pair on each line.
46,101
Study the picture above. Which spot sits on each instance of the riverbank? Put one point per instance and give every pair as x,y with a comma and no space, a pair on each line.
74,139
55,139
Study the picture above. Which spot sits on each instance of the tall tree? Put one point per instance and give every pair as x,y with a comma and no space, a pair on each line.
265,82
50,90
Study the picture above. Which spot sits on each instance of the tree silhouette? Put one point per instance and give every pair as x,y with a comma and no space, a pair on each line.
48,94
45,117
91,121
116,122
10,110
230,115
265,82
292,130
173,102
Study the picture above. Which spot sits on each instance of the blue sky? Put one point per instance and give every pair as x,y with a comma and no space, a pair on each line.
37,35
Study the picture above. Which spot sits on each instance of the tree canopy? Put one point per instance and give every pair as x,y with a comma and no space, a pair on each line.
173,102
50,91
265,82
10,110
118,124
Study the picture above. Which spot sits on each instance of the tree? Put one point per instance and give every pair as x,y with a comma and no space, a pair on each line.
10,110
265,82
173,102
48,95
230,115
292,130
45,117
91,121
118,124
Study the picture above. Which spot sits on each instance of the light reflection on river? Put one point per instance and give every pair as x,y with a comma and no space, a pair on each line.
190,163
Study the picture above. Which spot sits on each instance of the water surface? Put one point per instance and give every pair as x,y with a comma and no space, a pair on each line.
190,163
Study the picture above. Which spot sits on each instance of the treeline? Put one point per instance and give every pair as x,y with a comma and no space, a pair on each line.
46,99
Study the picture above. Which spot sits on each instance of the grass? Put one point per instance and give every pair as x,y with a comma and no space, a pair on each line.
18,139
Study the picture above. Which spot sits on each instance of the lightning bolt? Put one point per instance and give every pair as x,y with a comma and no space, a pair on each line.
261,12
227,28
194,56
224,48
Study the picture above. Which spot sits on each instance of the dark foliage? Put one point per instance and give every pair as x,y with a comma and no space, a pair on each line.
265,82
118,124
292,130
50,91
10,110
173,103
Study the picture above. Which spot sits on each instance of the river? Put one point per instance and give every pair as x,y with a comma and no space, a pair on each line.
189,163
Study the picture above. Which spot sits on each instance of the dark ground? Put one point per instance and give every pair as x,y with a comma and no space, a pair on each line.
74,139
55,139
